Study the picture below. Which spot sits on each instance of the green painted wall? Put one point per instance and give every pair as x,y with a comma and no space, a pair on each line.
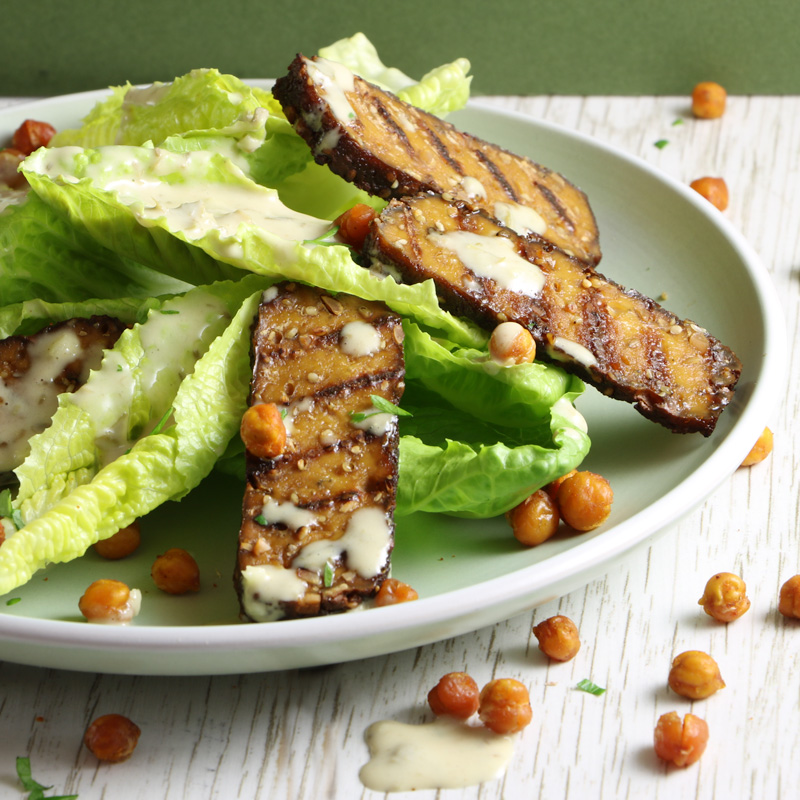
516,47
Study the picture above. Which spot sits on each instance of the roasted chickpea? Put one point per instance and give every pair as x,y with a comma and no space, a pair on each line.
262,430
715,190
708,100
10,159
553,487
121,544
456,695
510,343
112,737
110,601
680,741
558,638
393,591
725,597
695,675
761,449
789,601
584,500
176,572
535,519
505,706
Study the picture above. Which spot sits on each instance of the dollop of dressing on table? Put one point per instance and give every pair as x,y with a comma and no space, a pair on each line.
443,754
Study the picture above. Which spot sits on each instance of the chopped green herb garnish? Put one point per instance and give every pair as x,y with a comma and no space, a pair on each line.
261,520
284,412
678,121
163,421
36,789
324,237
327,577
592,688
661,143
382,406
13,601
169,311
119,367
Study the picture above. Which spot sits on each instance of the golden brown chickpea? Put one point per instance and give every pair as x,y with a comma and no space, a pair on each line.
112,737
393,591
761,449
505,706
558,638
725,598
680,741
110,601
176,572
510,343
121,544
584,500
456,695
535,519
553,487
715,190
695,675
789,601
262,430
708,100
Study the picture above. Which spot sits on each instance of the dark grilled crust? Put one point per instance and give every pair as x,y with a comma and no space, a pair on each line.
93,332
672,370
329,467
393,149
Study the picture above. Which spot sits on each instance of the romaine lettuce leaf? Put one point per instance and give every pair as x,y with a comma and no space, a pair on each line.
440,91
125,399
44,257
481,437
163,466
196,217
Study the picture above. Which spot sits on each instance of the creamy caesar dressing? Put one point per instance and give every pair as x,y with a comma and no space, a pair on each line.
374,422
265,587
521,219
492,257
288,514
291,411
171,341
11,197
575,351
564,408
333,80
359,339
443,754
28,401
473,188
124,614
365,544
175,187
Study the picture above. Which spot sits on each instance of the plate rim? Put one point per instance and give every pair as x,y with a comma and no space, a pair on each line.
289,636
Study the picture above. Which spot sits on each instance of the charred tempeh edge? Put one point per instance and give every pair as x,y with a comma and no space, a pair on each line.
330,497
625,344
35,369
389,148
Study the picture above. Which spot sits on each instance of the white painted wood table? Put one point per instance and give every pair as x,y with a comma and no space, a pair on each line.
299,734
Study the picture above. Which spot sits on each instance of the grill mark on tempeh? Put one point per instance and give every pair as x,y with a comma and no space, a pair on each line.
498,175
673,371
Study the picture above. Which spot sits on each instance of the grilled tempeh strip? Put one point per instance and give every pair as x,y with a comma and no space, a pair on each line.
622,342
392,149
34,370
329,498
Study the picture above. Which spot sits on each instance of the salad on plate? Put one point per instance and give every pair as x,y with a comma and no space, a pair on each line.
174,208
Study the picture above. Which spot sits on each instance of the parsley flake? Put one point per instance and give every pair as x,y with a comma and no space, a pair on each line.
678,121
169,311
13,601
34,787
381,406
323,238
661,143
591,688
327,577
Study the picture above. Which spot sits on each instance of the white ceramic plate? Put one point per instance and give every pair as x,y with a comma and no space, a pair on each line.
658,237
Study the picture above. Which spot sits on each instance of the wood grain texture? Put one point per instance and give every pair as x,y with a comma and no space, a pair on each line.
299,734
